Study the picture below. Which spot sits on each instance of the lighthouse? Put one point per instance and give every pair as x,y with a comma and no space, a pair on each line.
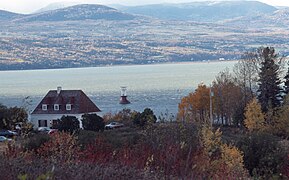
123,96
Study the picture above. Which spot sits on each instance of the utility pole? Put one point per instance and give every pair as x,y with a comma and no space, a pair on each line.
211,106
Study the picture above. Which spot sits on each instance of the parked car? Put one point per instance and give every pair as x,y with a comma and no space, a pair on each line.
43,129
8,133
113,125
4,139
52,131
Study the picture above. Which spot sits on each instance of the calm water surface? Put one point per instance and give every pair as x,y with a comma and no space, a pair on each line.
159,87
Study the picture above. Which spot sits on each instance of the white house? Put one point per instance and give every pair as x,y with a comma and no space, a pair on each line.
60,102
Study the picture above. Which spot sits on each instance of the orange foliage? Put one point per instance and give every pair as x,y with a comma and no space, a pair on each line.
196,106
228,97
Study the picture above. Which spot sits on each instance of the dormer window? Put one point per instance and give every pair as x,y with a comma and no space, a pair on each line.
56,107
68,107
44,107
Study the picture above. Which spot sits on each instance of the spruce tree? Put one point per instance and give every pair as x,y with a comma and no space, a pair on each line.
286,83
269,82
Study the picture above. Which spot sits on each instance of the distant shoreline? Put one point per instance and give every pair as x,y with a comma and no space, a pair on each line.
115,65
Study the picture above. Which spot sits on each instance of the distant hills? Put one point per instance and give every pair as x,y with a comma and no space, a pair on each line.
79,12
279,18
207,11
7,16
202,11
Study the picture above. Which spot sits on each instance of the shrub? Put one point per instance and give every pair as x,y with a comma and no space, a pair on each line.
98,152
120,137
41,169
124,116
68,124
26,129
62,147
144,118
224,160
92,122
34,142
10,117
136,119
85,137
263,154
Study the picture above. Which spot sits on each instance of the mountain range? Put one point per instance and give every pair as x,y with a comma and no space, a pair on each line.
77,13
202,11
89,34
208,11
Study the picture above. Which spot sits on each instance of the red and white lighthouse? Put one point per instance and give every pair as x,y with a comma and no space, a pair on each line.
123,96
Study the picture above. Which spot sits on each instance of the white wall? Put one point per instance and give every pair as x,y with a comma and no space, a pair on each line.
49,117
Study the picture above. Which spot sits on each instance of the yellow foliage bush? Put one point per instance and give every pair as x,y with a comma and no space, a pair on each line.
254,117
224,160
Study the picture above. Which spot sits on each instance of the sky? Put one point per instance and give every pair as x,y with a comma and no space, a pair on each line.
29,6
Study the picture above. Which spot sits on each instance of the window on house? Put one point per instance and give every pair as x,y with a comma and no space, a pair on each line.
68,107
42,123
56,107
44,107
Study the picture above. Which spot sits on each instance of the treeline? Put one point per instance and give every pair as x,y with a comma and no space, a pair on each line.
10,117
254,100
258,75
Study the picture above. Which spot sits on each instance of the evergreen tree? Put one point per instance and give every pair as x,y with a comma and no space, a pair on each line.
286,83
269,82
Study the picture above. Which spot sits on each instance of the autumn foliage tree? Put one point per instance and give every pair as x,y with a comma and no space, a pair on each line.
196,106
228,99
124,116
255,119
223,158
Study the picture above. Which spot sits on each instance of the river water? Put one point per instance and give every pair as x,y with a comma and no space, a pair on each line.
159,86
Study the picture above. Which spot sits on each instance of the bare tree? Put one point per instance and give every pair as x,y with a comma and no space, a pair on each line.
246,72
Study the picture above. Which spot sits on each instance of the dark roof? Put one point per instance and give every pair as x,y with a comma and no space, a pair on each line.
80,103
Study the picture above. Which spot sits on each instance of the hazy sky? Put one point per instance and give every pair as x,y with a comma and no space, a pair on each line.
27,6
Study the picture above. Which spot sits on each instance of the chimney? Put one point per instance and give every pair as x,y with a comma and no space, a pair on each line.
59,90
